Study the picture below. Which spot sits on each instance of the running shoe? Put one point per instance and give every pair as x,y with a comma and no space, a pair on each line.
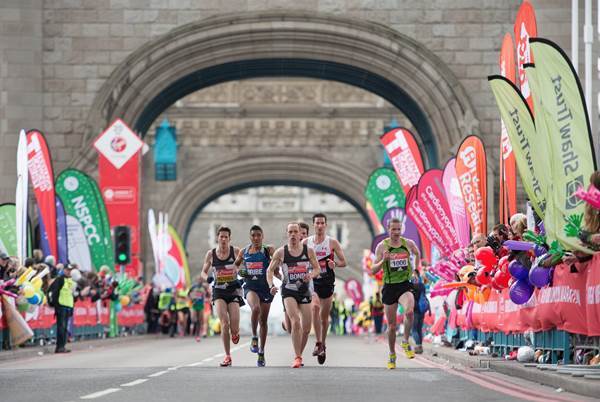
253,345
408,350
226,361
235,338
297,362
317,349
260,362
392,361
321,356
197,339
419,349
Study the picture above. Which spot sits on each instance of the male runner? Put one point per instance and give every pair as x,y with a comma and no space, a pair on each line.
287,326
227,292
394,257
296,261
256,258
325,247
197,295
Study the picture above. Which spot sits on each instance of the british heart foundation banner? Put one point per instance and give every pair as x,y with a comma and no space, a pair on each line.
508,168
456,203
119,179
471,171
432,197
525,28
405,156
39,164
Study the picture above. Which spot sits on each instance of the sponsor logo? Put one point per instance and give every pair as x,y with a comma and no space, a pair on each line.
572,200
468,156
71,183
118,144
383,182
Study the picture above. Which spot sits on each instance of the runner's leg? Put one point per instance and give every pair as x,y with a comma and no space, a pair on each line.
305,317
264,324
254,303
407,300
325,311
293,310
315,308
223,315
234,317
390,315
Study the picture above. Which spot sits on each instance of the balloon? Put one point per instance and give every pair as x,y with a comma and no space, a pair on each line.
118,307
125,300
22,304
486,256
501,279
24,276
518,270
520,292
75,275
28,290
483,276
515,245
539,276
503,263
36,283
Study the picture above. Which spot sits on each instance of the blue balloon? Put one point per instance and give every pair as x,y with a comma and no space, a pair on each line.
520,292
539,276
518,270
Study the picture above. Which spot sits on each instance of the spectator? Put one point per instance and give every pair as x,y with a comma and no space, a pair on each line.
518,225
421,308
64,287
4,262
151,310
38,256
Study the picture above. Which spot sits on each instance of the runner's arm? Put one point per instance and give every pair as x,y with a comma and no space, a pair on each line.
273,265
239,259
339,253
207,265
277,272
381,257
415,250
236,251
314,263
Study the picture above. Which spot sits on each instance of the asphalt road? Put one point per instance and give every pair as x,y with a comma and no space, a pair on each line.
165,369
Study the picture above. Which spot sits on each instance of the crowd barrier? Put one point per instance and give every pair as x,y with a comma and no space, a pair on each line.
90,320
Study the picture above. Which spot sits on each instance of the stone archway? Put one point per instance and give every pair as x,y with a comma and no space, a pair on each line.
368,54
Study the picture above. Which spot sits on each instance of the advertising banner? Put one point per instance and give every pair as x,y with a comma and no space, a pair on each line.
417,213
61,235
39,164
383,191
568,132
525,28
456,203
471,171
405,156
22,198
77,243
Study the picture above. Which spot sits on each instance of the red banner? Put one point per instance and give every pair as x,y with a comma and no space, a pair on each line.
405,156
571,304
431,195
525,28
508,167
119,181
131,315
39,164
471,171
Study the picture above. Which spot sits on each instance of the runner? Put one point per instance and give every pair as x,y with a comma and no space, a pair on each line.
296,261
287,327
197,295
227,292
325,247
394,257
183,310
256,258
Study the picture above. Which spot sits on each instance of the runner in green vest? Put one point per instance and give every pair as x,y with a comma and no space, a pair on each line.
394,257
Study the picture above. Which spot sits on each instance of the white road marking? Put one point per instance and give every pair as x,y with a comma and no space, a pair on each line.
136,382
207,359
195,364
100,393
219,355
158,374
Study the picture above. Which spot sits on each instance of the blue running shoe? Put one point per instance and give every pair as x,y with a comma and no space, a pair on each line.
254,345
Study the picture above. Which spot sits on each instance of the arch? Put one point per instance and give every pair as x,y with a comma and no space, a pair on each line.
210,180
218,49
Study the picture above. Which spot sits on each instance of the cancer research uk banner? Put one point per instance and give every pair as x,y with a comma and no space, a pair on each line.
39,164
525,28
471,171
405,156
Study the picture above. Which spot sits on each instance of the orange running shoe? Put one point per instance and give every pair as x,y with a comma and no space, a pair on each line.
297,362
235,338
226,361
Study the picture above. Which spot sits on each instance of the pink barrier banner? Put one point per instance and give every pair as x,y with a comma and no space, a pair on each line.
131,315
571,304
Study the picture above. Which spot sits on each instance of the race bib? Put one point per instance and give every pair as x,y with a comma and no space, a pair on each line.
225,274
399,261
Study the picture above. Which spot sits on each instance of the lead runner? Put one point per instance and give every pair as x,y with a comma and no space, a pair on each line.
296,261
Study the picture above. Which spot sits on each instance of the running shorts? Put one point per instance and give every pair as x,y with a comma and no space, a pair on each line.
301,298
228,295
263,294
392,291
324,290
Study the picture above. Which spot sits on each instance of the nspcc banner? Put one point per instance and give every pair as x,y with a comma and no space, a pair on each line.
405,156
471,171
39,165
78,194
508,169
569,134
383,191
530,152
525,28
